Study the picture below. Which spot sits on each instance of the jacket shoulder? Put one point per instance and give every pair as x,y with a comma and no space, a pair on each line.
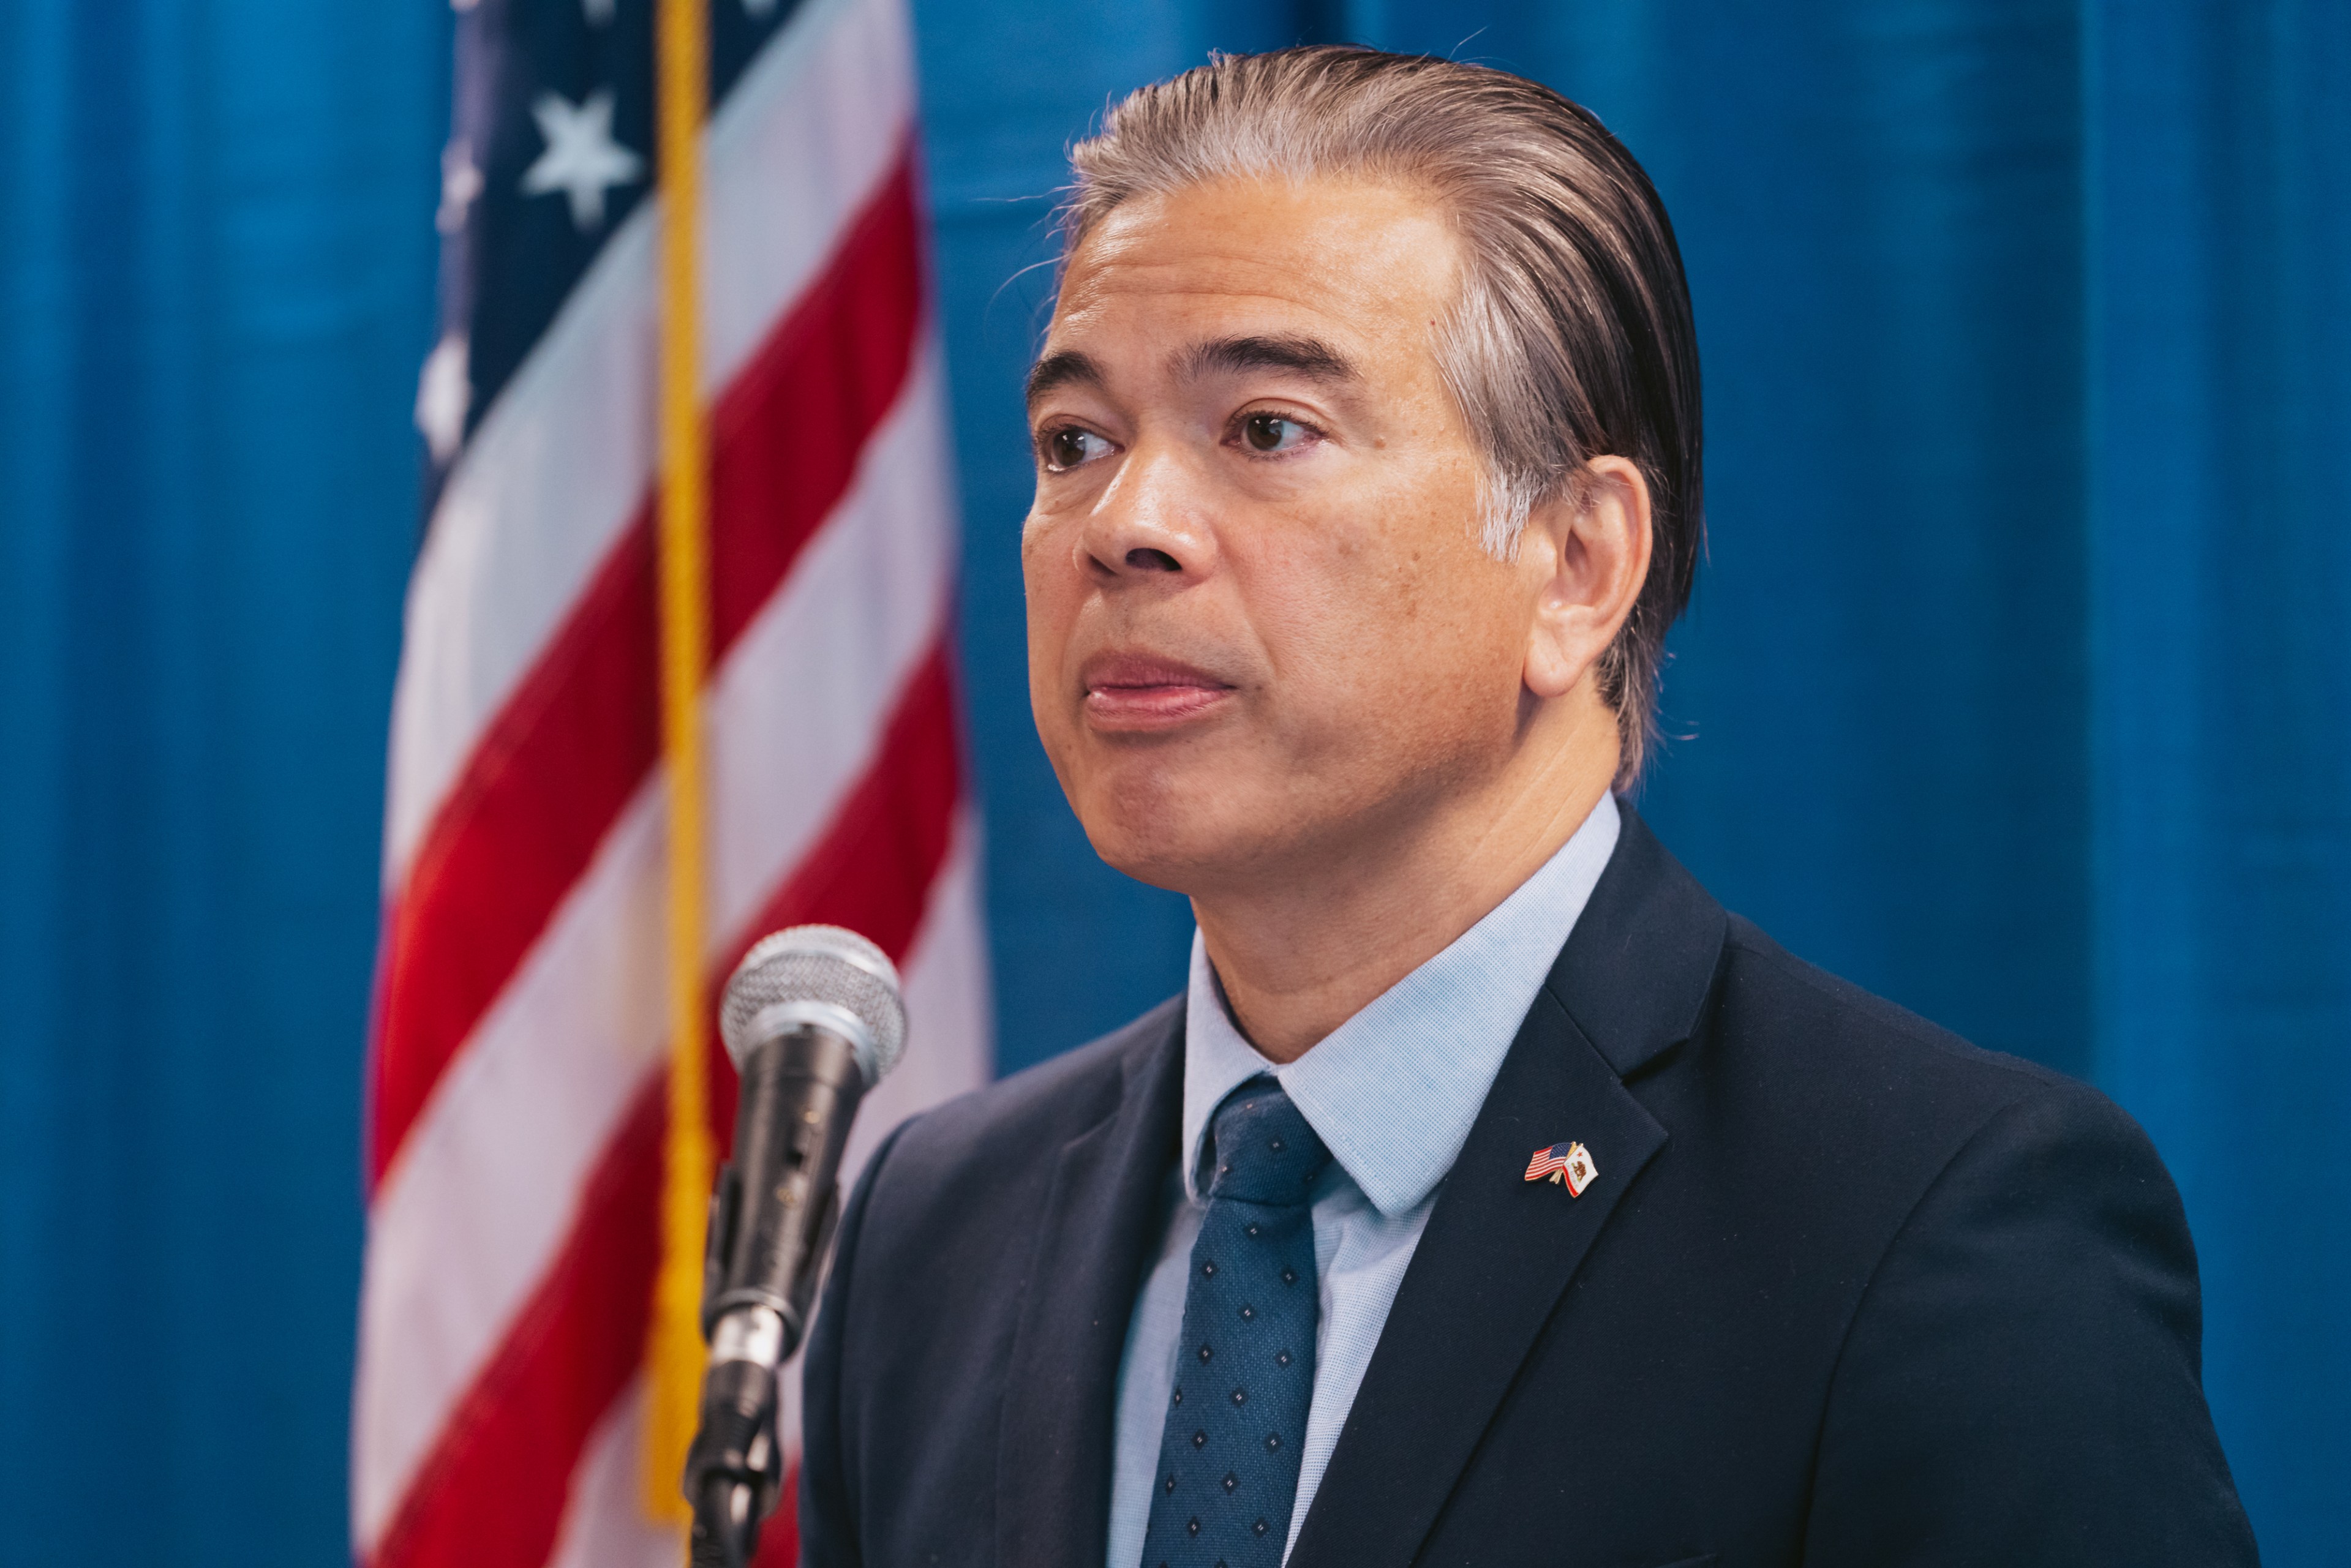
1862,1103
2024,1297
1786,1006
1032,1113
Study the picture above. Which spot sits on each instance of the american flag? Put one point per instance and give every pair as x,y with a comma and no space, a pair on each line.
1548,1162
517,1088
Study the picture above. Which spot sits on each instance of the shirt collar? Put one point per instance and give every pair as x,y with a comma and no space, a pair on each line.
1393,1090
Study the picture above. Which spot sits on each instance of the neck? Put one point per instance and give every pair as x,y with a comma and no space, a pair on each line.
1299,948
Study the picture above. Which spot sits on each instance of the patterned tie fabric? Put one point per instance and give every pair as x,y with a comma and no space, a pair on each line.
1228,1454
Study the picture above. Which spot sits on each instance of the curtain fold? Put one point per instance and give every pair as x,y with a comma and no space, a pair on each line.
2217,146
215,283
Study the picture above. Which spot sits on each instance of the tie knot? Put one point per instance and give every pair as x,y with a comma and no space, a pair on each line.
1266,1152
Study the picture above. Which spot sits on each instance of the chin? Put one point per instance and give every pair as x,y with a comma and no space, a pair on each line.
1173,855
1171,837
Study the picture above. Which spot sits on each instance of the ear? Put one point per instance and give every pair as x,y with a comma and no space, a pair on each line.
1588,551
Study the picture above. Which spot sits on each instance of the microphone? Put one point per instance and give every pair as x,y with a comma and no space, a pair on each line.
812,1018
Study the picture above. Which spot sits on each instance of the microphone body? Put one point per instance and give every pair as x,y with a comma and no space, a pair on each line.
812,1018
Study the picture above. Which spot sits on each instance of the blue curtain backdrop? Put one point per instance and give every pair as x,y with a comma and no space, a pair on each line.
2017,685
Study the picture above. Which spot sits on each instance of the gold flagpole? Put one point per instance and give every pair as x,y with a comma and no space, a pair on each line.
674,1353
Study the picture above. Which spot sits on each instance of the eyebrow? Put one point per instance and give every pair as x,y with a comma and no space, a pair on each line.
1308,357
1066,368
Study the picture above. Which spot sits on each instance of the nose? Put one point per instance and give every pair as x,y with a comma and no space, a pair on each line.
1148,526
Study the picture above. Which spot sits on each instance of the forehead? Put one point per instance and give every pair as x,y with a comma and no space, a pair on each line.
1369,264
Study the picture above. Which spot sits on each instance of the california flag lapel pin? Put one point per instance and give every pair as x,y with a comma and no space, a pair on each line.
1570,1164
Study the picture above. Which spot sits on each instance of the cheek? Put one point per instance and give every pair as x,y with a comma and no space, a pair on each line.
1390,598
1044,573
1049,608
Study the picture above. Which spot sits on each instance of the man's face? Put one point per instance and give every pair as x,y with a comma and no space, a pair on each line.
1262,633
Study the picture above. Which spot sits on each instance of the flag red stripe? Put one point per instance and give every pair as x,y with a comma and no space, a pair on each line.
872,870
580,736
494,1489
780,1541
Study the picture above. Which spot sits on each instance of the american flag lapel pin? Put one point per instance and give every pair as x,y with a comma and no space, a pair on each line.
1569,1165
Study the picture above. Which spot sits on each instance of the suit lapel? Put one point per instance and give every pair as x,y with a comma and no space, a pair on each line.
1099,1228
1499,1250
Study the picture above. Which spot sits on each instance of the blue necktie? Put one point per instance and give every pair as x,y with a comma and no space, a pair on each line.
1237,1420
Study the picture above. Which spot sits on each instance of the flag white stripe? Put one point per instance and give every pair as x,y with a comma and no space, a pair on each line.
948,1044
465,1222
812,678
565,457
604,1523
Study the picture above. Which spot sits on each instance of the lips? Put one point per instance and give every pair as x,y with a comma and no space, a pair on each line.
1132,691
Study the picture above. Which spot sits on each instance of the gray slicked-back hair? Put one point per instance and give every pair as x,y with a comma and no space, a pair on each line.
1571,338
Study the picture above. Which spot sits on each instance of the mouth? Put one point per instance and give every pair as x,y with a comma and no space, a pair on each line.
1137,692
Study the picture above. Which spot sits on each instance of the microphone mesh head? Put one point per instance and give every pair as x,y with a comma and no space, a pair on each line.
817,964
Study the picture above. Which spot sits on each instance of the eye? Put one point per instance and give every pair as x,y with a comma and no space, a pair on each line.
1070,446
1273,433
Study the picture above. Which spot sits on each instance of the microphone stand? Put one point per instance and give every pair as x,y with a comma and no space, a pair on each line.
726,1525
730,1471
733,1470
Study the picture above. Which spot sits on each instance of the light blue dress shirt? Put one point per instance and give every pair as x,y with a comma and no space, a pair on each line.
1392,1091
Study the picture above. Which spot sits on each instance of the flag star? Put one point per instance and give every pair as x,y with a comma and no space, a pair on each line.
598,12
461,182
582,158
443,395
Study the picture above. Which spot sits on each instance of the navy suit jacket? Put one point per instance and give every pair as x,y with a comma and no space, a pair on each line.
1847,1291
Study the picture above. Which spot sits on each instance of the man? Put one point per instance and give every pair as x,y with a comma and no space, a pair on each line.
1490,1196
